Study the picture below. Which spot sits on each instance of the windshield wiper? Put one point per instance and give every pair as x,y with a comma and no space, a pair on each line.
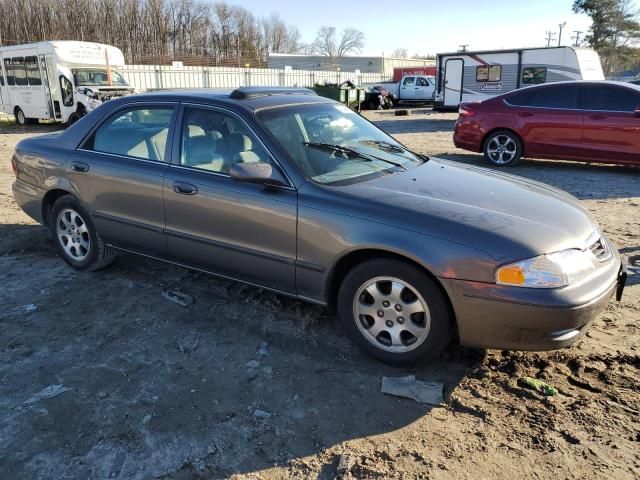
350,151
386,146
393,148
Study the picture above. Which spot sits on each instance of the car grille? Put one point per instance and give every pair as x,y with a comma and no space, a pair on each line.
600,249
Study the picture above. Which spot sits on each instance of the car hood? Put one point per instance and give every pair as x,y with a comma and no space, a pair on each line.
504,215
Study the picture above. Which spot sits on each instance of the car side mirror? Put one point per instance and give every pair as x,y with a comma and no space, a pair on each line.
636,112
261,173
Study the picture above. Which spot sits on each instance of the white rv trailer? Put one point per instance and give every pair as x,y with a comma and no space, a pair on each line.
468,76
58,80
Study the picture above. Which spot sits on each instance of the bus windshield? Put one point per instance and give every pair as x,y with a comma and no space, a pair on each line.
85,77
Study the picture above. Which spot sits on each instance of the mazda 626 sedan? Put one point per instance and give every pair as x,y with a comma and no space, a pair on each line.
295,193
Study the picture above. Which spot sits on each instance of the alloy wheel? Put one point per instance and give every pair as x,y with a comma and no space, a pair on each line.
391,314
73,235
502,149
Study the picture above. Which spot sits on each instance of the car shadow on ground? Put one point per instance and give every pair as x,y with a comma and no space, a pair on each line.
239,380
583,180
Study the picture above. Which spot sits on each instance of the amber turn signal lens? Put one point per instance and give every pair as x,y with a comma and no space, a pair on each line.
512,275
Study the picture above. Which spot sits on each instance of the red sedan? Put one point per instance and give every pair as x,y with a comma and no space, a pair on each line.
584,121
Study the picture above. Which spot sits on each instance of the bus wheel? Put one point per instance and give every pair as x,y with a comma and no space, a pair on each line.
73,118
20,118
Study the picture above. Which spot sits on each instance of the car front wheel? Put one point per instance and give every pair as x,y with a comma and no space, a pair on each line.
503,149
394,311
76,237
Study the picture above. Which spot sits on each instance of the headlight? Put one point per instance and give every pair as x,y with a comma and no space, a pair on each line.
548,271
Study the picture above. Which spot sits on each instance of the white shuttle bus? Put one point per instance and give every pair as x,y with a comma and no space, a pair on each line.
59,80
469,76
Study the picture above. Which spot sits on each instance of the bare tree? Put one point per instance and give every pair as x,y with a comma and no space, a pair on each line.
153,31
327,44
352,41
400,53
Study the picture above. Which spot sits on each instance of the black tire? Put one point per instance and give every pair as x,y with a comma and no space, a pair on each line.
441,319
98,255
512,148
73,118
21,119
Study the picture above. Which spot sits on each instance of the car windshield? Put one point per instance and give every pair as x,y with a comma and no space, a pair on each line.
85,77
331,144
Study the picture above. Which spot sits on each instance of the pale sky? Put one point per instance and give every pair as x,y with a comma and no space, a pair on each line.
431,26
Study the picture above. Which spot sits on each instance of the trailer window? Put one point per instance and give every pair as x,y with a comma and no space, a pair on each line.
33,71
534,75
67,91
20,74
11,80
488,73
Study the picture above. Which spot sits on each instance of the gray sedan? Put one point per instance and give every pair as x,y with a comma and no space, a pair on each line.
292,192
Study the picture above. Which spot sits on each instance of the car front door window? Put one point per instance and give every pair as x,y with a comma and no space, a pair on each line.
214,141
611,99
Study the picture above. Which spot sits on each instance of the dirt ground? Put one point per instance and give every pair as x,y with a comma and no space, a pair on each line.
163,391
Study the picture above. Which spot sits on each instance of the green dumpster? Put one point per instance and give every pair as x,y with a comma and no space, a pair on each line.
351,97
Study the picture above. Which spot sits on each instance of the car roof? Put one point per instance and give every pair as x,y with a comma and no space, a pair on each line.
253,98
577,83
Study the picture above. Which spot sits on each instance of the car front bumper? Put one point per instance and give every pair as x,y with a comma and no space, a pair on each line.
513,318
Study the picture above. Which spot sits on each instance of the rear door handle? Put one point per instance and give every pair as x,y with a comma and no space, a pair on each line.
185,188
597,117
525,114
79,167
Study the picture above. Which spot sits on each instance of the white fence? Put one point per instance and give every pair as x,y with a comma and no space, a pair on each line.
150,77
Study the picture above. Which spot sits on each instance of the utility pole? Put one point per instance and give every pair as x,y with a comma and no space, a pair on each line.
577,38
551,36
561,25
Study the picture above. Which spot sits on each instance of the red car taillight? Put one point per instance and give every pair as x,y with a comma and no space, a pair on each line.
466,111
14,166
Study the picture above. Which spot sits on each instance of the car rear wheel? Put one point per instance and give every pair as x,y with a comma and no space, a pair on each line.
394,311
76,237
503,149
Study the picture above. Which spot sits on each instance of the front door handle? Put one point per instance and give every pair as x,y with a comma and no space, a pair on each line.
525,114
185,188
79,167
597,117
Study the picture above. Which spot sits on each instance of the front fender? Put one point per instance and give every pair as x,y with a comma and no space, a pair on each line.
325,237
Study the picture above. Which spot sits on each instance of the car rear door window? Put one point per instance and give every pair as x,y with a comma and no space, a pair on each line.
139,132
214,141
611,98
557,96
409,81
